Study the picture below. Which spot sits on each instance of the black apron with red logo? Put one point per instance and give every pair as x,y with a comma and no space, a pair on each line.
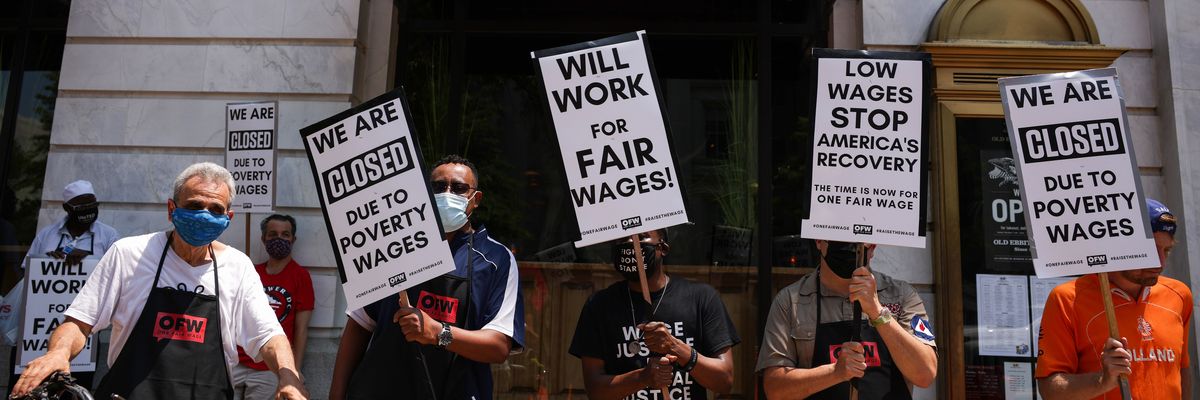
882,379
175,349
393,364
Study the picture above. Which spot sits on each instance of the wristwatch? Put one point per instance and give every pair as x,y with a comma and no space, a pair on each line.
885,316
445,337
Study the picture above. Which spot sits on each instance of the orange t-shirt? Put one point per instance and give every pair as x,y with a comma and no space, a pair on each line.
1074,330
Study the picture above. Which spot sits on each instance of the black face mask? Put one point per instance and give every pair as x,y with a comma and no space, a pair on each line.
84,216
626,263
841,258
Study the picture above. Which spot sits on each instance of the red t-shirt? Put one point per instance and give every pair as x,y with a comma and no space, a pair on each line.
289,292
1156,324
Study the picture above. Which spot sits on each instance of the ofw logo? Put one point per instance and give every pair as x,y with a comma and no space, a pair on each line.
169,326
441,308
631,222
1095,260
398,279
864,229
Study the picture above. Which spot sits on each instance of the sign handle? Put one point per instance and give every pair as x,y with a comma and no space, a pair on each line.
641,267
1106,294
856,327
247,234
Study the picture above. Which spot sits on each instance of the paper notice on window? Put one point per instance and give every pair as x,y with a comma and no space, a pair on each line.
1018,381
1040,290
1003,317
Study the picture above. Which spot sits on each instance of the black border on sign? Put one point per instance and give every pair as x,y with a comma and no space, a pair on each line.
926,110
305,132
611,40
662,104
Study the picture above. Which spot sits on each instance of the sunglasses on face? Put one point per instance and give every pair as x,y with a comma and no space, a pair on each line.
454,187
79,207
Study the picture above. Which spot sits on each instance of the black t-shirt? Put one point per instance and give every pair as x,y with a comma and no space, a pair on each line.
693,312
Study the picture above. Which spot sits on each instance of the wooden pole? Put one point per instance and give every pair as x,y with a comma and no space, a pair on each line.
856,334
1113,332
247,234
641,267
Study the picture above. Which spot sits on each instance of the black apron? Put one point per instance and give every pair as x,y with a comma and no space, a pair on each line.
175,349
882,379
391,362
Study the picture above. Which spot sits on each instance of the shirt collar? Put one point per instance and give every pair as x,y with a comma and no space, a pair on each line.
809,282
479,235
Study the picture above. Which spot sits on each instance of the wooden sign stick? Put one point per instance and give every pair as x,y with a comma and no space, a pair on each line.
641,267
856,333
1113,332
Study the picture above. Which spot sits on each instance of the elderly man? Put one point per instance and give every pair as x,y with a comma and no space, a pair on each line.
1078,360
391,352
179,303
807,350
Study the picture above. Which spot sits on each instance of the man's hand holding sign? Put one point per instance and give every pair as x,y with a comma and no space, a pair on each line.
1079,179
624,184
867,184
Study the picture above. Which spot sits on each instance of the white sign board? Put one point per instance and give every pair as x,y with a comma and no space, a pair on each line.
868,179
1079,182
50,288
608,115
250,137
380,213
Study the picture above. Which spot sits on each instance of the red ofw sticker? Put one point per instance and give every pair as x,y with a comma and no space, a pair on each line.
870,353
441,308
168,326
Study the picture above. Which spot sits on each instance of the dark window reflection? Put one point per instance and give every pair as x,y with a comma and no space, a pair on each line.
472,89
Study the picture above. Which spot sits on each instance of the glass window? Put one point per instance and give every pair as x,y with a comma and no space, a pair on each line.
997,269
27,96
473,91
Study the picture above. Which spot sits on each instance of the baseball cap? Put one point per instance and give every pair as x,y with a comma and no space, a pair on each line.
1161,219
76,189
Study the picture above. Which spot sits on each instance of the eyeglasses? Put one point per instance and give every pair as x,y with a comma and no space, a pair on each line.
78,207
455,187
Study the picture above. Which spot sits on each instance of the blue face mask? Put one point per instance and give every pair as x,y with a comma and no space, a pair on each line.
198,227
452,210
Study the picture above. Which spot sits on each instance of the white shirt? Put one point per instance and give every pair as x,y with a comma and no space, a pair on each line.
96,239
117,290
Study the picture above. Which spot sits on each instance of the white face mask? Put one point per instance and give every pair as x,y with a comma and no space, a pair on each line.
452,210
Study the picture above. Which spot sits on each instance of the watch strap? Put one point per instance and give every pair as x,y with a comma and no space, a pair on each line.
885,316
444,337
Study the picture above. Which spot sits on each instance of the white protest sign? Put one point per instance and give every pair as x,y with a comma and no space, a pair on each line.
50,288
1079,182
869,153
378,208
616,150
250,154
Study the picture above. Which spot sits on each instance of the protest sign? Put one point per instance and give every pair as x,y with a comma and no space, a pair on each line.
867,178
1080,188
608,115
49,289
380,213
250,154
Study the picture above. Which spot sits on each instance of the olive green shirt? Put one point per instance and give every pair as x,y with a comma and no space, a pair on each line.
791,330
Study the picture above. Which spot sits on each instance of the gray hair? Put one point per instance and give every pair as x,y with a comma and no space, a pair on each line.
207,172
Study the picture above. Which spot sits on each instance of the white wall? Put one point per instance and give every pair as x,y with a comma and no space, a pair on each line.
142,94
